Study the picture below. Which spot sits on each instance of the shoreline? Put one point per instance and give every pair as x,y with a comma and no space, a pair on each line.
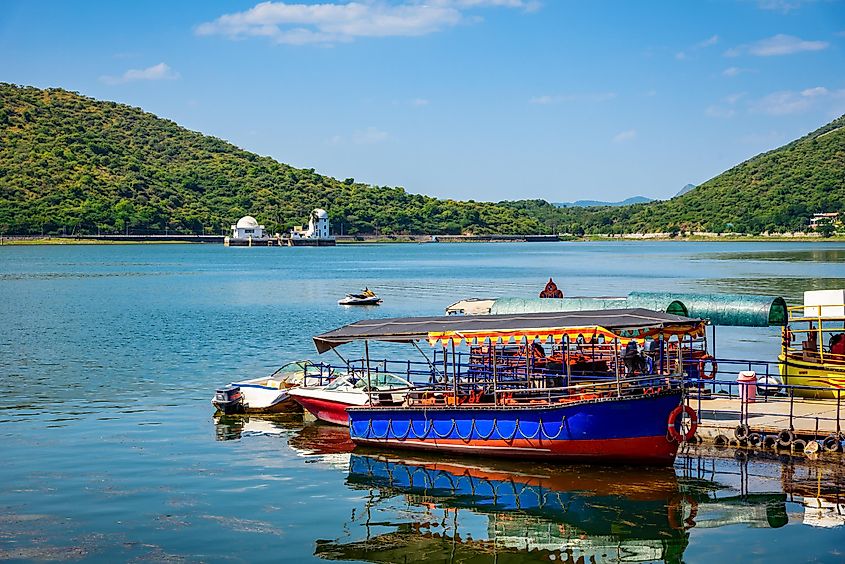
428,239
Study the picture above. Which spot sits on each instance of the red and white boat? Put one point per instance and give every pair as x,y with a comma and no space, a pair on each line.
329,403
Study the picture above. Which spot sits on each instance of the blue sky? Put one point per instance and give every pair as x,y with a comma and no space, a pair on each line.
469,99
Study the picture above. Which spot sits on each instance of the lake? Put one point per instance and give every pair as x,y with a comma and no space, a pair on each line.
110,355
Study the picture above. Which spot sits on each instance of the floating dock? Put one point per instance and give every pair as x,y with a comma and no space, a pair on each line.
807,419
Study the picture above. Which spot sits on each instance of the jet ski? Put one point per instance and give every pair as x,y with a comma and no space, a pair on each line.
366,297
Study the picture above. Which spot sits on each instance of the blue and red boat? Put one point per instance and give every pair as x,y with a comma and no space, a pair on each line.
598,386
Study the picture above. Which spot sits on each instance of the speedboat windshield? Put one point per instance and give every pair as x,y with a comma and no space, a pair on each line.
356,381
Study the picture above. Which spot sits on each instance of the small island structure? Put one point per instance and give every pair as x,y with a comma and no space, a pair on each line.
248,233
316,235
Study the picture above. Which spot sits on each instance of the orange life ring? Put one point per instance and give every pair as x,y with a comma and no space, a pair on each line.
714,365
672,424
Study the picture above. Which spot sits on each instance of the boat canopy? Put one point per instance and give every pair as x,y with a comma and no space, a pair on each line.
719,309
607,324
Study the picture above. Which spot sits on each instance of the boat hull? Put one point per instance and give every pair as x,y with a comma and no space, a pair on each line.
359,301
802,373
612,430
328,411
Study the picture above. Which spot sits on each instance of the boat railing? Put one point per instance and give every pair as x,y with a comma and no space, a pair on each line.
493,393
460,377
816,312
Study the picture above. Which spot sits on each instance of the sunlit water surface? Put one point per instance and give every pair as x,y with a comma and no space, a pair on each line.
109,356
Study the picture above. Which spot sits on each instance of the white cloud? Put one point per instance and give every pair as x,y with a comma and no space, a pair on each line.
776,45
370,136
709,42
813,92
788,102
328,23
160,71
782,6
727,107
419,102
548,99
624,136
680,56
733,71
720,111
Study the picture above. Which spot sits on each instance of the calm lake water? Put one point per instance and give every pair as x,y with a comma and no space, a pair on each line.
110,354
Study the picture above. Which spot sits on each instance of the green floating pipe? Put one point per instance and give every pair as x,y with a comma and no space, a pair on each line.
721,309
737,310
536,305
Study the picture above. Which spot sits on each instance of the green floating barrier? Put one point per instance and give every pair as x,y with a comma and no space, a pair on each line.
737,310
721,309
537,305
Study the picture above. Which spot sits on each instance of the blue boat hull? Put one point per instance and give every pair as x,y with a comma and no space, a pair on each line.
629,430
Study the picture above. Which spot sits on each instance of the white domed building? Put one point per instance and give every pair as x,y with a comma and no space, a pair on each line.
248,228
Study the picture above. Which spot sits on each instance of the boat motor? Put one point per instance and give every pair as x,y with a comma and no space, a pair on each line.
229,400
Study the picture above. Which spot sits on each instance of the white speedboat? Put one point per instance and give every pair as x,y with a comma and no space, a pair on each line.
268,394
366,297
329,403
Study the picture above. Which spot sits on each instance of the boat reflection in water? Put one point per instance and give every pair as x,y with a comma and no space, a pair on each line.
438,509
462,510
235,427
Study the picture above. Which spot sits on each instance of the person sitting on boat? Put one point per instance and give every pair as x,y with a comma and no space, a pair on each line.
811,346
368,293
631,357
837,346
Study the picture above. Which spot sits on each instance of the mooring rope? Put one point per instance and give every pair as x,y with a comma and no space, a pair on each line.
438,435
386,431
515,431
471,429
488,435
536,433
395,434
559,431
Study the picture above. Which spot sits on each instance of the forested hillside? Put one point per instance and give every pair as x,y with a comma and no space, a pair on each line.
76,165
775,191
70,163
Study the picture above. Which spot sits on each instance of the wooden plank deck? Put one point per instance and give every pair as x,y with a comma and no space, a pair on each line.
720,415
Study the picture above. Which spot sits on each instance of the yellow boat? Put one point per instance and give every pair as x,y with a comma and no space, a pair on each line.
813,345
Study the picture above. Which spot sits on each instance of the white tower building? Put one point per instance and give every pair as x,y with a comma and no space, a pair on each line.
318,225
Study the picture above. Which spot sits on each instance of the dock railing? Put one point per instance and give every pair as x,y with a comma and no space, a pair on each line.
794,403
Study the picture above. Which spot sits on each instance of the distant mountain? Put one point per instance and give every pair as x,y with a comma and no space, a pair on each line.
779,190
684,190
593,203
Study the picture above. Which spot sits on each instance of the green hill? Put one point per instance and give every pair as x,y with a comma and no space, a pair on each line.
71,163
775,191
